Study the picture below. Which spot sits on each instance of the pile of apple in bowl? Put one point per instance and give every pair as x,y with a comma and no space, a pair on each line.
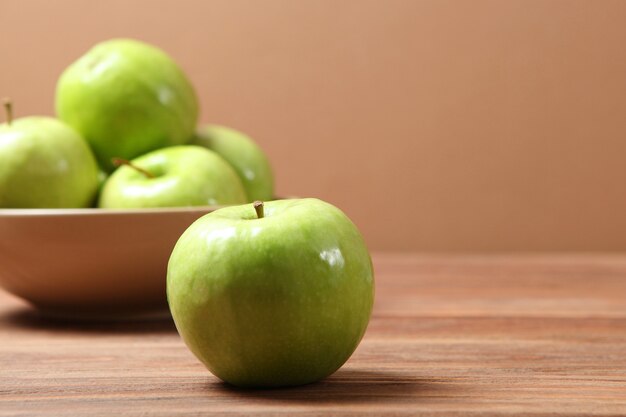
122,204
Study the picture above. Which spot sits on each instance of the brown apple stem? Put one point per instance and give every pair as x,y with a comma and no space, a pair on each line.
258,207
8,109
121,161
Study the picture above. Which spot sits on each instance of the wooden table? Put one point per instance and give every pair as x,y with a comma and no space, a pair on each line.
534,335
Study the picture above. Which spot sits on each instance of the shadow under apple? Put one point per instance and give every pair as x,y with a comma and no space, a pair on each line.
345,386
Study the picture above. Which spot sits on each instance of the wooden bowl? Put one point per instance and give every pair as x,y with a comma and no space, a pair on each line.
91,263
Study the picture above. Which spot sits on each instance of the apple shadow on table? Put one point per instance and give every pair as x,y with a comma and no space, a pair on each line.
31,319
346,386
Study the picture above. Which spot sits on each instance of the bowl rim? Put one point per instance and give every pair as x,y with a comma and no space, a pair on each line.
93,211
97,211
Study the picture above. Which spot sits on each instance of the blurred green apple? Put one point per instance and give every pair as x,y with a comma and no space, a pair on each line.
274,297
127,98
248,159
177,176
45,164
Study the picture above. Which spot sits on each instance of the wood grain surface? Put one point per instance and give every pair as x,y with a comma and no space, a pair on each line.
457,336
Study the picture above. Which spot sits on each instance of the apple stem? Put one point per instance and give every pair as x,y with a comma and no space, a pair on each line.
258,207
121,161
8,109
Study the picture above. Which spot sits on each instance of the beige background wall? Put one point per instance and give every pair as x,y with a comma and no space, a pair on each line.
436,125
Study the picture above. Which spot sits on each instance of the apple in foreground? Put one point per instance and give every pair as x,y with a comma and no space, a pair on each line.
44,164
127,98
243,154
177,176
272,294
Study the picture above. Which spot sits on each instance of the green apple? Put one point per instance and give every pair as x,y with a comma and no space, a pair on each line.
248,159
45,164
102,178
177,176
127,98
271,299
